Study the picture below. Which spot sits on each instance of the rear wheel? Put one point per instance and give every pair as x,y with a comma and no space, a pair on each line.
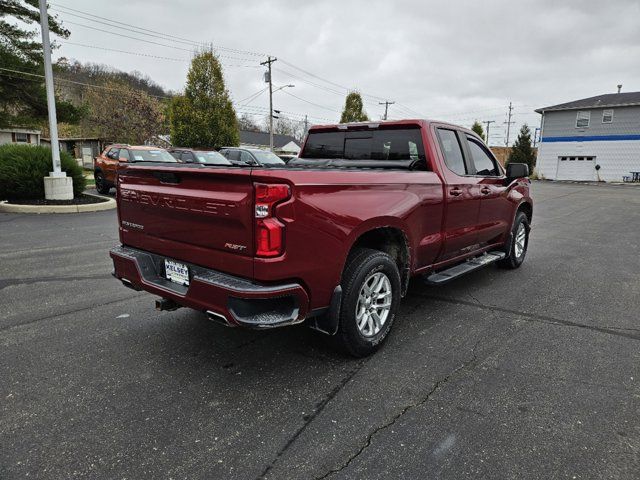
519,243
101,183
371,295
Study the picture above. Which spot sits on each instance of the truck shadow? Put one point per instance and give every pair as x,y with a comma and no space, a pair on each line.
192,336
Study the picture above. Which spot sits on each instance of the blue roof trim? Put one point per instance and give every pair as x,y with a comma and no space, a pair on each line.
591,138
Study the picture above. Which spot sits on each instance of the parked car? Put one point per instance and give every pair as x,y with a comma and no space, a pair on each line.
252,156
191,155
107,162
331,240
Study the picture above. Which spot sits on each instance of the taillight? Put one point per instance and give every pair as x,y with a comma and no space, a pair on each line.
269,230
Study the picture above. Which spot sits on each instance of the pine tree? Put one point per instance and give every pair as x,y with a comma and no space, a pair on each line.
353,109
522,150
23,100
204,117
477,127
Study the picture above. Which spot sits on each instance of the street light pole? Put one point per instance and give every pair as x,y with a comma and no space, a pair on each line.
57,186
51,101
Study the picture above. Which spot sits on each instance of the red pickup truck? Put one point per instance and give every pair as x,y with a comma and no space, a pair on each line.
332,238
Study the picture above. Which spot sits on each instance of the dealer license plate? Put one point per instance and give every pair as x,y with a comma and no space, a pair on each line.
176,272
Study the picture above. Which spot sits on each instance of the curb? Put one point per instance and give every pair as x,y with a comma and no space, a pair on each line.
88,207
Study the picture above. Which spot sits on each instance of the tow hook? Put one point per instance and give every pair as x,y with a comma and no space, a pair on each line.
166,304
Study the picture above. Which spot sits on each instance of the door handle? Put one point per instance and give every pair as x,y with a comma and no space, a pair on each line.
455,192
485,190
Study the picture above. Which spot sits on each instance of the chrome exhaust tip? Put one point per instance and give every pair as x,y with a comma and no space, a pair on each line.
218,318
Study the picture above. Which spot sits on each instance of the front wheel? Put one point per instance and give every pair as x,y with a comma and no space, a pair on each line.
101,183
371,295
519,243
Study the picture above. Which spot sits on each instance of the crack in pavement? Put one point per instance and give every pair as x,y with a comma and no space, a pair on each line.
320,406
404,410
616,331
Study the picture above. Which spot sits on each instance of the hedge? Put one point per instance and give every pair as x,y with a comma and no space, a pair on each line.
23,167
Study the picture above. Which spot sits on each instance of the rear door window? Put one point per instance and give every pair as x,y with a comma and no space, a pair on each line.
483,161
452,151
187,157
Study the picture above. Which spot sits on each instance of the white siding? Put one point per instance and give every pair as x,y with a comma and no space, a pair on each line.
616,159
5,137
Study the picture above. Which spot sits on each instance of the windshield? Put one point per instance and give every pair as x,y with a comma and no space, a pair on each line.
267,158
211,157
152,156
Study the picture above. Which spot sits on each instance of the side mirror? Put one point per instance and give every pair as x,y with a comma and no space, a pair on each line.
517,170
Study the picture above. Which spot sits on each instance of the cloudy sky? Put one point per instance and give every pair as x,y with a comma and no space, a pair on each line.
456,61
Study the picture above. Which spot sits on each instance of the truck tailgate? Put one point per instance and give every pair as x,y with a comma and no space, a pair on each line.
201,215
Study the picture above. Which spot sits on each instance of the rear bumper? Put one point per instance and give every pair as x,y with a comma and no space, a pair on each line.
233,300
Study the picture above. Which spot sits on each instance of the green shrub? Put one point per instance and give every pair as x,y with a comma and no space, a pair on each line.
23,167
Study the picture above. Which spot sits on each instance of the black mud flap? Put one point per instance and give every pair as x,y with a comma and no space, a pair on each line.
328,321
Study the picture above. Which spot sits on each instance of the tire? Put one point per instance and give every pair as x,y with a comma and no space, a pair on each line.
519,244
365,321
101,183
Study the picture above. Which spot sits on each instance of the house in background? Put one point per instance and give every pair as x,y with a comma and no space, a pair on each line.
83,149
596,138
283,144
19,135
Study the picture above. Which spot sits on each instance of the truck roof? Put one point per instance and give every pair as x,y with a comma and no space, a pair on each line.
422,122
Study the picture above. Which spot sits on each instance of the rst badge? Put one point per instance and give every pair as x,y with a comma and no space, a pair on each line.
233,246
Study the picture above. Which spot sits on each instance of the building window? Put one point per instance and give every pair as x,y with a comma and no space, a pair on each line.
607,116
582,119
22,137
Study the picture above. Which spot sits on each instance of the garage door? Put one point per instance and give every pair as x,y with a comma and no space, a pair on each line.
576,168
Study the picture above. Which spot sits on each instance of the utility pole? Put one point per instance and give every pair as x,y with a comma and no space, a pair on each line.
306,124
386,107
268,62
509,123
57,186
488,122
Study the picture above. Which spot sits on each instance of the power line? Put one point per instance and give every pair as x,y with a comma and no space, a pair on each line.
76,83
234,50
311,103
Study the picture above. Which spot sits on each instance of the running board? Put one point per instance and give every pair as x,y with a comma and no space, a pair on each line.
444,276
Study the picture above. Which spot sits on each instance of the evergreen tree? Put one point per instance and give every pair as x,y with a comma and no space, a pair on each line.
23,99
353,109
522,150
477,127
204,117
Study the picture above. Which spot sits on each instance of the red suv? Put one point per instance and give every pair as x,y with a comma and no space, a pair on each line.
107,162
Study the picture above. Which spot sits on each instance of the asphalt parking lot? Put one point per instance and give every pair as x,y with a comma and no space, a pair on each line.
530,373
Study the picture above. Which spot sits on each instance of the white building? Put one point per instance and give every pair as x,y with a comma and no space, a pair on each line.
596,138
19,135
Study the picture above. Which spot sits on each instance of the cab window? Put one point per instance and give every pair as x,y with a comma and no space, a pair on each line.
187,157
482,160
114,153
452,151
124,153
247,157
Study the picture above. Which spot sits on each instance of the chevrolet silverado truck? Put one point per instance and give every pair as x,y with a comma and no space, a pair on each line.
330,239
